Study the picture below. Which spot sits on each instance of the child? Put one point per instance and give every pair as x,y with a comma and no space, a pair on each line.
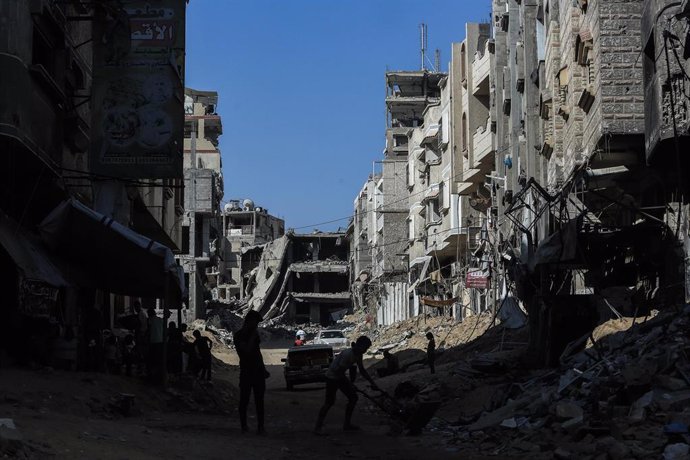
128,354
431,352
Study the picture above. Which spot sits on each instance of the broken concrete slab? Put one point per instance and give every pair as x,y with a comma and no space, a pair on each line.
566,410
678,451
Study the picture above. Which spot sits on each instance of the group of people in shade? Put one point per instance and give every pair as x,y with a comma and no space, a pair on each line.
144,349
340,375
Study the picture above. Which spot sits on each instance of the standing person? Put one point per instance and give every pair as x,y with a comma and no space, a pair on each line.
141,337
347,360
253,373
202,348
155,345
174,356
431,352
128,353
186,348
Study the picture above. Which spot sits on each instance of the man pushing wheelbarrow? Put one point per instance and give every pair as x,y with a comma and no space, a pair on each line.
413,415
336,379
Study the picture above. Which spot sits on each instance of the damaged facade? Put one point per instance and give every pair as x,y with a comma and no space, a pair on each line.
547,167
302,278
203,179
246,229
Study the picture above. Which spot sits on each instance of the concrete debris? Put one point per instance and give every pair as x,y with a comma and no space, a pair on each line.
678,451
566,410
627,397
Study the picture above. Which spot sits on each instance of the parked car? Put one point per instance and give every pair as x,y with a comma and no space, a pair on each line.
307,364
333,337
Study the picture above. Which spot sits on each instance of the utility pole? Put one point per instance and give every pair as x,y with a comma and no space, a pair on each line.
193,308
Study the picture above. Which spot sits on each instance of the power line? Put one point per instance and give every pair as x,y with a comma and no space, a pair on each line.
406,198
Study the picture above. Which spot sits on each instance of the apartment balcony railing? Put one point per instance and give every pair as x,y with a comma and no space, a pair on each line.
432,192
241,230
484,144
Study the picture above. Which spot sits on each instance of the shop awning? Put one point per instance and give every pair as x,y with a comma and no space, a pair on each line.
117,259
145,224
29,255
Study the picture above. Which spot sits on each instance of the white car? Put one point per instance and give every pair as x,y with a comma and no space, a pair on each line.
334,338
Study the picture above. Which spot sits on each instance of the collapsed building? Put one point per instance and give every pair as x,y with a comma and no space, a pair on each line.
302,278
246,229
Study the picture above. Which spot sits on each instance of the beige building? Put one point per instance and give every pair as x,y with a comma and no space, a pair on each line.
246,228
203,178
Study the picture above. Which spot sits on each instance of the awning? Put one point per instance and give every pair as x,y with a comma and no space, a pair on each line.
28,254
147,225
117,259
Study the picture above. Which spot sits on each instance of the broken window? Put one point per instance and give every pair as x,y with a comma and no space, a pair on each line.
400,140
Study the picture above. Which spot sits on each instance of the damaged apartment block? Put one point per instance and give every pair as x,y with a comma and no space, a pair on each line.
246,229
303,278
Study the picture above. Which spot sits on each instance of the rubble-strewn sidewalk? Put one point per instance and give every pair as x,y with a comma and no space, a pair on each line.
626,395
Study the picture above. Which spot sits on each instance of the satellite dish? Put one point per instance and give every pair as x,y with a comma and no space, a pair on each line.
248,204
228,207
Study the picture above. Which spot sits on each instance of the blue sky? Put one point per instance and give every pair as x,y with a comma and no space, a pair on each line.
301,90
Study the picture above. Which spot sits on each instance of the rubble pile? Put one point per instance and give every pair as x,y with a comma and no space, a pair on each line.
410,334
625,396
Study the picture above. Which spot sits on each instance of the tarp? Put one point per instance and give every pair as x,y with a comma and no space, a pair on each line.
439,303
509,312
560,246
117,259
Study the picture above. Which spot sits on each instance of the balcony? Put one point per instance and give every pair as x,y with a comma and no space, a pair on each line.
379,223
484,145
481,68
241,230
431,192
431,134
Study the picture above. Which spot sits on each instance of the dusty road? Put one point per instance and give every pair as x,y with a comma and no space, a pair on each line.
60,415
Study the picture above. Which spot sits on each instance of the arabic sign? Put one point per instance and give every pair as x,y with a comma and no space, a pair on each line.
477,279
137,97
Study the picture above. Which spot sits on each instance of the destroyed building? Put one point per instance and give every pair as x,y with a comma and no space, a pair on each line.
204,185
361,239
245,229
303,278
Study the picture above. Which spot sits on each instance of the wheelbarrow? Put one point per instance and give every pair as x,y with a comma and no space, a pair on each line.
412,416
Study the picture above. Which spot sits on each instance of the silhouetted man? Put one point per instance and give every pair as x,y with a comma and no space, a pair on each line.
253,373
346,361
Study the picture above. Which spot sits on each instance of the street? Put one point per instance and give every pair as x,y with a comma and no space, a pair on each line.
62,417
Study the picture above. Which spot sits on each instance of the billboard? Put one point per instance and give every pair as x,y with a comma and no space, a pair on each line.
137,96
